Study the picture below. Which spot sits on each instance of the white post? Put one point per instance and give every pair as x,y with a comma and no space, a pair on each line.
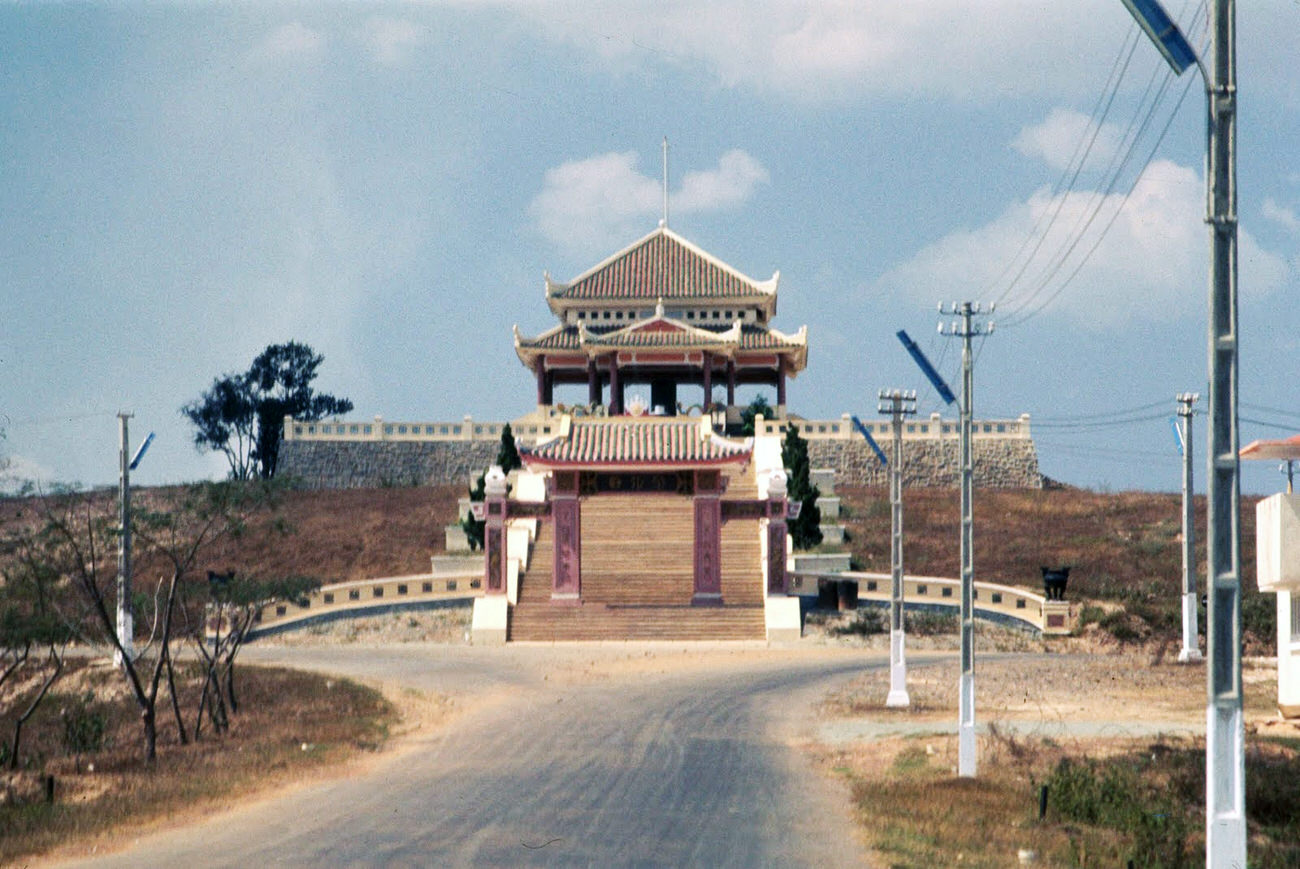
1191,651
967,329
898,404
125,620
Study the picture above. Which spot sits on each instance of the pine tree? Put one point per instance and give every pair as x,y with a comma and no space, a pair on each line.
757,407
508,454
805,531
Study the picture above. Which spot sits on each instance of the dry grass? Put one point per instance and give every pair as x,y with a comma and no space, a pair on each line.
336,536
1124,548
918,813
289,725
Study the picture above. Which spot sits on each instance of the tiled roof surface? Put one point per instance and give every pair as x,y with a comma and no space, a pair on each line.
679,338
752,337
761,338
561,339
661,266
634,442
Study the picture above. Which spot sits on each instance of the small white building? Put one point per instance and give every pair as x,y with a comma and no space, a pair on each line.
1277,568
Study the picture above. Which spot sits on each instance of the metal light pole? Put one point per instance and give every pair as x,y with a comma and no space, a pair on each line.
1191,651
966,329
125,619
1225,756
897,403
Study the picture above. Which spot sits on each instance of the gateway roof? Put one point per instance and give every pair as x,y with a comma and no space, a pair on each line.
648,441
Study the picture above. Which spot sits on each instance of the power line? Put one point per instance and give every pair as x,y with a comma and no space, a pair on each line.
1098,201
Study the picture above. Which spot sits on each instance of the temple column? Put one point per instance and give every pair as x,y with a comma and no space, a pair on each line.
545,383
566,514
593,384
708,539
776,532
731,383
496,564
615,387
780,391
708,380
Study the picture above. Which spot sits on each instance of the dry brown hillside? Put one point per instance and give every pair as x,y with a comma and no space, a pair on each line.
1124,547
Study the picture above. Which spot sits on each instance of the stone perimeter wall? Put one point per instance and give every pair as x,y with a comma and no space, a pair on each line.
999,462
375,464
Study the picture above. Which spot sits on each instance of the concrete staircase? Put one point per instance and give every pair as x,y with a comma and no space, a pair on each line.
638,578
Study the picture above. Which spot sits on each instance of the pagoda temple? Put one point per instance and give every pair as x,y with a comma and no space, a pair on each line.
636,521
663,313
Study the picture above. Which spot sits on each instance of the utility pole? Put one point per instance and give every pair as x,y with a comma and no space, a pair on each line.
1191,651
966,329
896,403
1225,756
125,619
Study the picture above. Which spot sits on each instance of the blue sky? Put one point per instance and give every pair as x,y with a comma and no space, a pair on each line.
187,183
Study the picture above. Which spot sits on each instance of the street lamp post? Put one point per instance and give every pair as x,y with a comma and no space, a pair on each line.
897,403
1225,765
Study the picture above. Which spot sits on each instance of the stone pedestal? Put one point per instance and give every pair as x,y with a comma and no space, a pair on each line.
1056,617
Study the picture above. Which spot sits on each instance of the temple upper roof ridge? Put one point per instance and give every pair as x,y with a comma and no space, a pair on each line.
661,265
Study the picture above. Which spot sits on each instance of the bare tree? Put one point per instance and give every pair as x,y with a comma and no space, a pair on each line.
28,621
74,544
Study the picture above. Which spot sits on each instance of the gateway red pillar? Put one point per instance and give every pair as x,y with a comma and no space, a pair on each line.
776,530
566,514
496,564
708,539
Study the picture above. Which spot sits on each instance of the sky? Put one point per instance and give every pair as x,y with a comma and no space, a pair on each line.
186,183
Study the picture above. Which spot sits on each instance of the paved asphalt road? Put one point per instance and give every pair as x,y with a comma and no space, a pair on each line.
633,766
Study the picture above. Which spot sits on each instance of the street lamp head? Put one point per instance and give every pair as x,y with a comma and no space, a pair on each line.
1163,32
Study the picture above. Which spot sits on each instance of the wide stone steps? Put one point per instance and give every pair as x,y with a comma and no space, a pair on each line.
638,577
638,549
595,621
535,584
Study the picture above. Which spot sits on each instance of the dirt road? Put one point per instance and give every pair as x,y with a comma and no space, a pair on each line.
620,755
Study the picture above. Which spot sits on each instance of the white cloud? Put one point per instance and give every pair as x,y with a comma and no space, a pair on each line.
820,49
588,206
392,40
1150,265
1281,215
1061,139
289,41
15,471
731,184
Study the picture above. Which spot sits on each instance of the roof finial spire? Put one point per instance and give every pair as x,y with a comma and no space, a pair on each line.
664,222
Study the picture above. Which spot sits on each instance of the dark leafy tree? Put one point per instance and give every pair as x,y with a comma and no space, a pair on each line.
242,415
508,454
757,407
281,378
805,531
474,527
225,419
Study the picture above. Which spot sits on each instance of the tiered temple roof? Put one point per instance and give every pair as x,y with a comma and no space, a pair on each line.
664,312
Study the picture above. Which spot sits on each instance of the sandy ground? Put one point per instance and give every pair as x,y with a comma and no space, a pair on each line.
1085,689
1086,684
